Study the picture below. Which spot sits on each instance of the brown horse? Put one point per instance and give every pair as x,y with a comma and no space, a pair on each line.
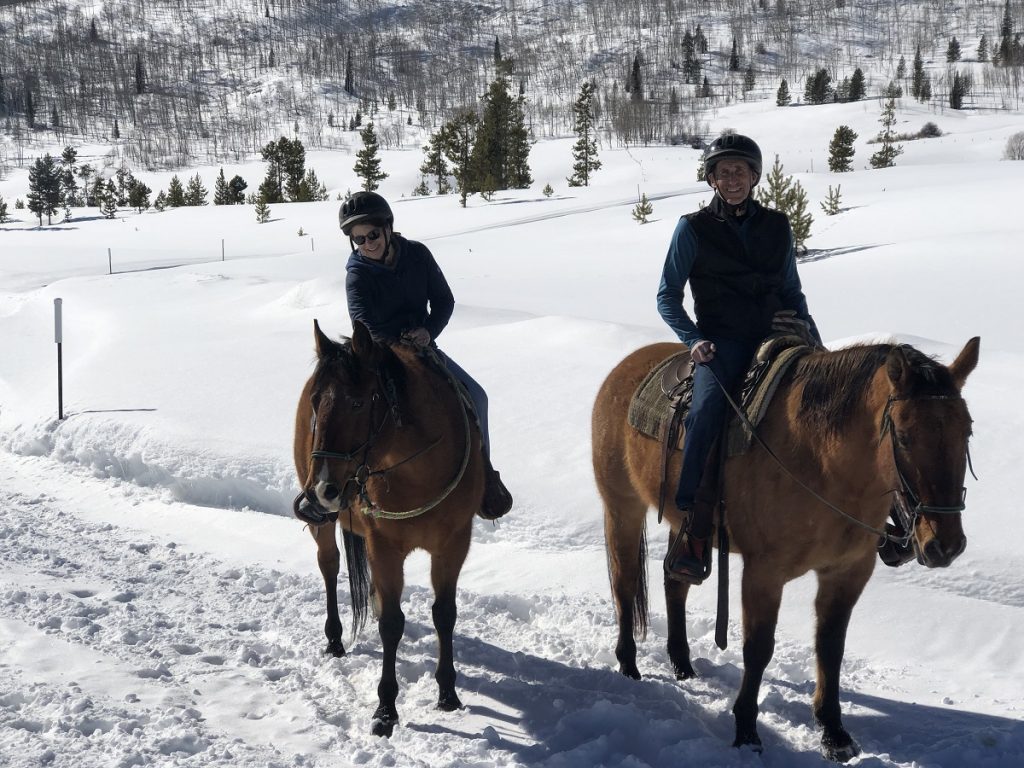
859,429
385,449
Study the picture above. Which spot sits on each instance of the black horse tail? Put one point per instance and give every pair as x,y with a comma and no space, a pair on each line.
359,586
640,608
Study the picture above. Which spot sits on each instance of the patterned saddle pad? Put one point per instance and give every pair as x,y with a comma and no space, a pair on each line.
650,408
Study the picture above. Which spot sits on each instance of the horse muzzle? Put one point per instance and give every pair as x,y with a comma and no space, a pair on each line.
937,553
307,508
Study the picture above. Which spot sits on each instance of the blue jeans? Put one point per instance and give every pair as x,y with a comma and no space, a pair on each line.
706,416
476,394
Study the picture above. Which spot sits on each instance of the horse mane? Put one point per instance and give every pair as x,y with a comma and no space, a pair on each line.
341,360
834,383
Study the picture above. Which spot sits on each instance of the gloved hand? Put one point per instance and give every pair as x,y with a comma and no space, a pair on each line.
419,337
785,321
702,352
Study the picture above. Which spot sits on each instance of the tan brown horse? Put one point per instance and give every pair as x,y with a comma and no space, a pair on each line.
384,448
863,428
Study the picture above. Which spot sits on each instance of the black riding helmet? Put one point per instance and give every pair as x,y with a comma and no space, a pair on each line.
732,145
365,207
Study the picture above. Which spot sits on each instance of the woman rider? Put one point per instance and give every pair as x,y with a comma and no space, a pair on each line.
396,289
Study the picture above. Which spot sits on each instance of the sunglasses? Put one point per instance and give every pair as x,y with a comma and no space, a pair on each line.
370,236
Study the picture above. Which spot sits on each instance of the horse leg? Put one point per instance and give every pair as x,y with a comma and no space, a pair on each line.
676,593
444,574
328,558
838,592
388,581
762,594
625,543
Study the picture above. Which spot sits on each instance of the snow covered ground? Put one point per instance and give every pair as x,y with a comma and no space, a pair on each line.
160,606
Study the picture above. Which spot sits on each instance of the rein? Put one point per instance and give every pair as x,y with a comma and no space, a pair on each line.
902,493
363,472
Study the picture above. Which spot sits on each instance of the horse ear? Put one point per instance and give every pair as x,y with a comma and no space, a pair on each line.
362,342
323,344
898,369
965,362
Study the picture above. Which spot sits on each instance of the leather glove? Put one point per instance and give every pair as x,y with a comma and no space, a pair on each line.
702,352
786,322
419,337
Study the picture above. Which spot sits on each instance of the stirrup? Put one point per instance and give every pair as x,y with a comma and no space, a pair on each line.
497,500
682,564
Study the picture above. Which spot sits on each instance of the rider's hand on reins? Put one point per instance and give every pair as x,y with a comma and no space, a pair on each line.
702,352
419,337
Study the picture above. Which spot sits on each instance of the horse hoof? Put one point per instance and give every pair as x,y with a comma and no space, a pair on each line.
383,722
749,741
684,671
334,648
449,702
839,753
630,671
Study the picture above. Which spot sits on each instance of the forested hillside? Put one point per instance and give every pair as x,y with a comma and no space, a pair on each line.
169,83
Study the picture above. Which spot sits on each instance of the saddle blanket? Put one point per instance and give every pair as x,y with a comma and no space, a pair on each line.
651,409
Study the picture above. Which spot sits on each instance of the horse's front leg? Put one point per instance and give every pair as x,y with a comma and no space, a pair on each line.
676,593
445,567
388,581
328,558
762,594
838,592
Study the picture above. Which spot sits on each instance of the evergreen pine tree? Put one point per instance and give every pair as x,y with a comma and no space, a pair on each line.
109,204
458,137
236,190
901,68
636,85
115,134
262,211
3,210
502,145
983,48
584,151
818,87
857,87
642,210
310,189
783,194
959,89
140,75
705,89
734,58
434,164
782,97
138,196
195,194
953,50
831,204
349,89
161,201
44,192
886,156
917,81
749,79
175,193
221,193
367,165
840,149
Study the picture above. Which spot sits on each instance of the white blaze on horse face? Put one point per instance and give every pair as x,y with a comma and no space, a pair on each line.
323,483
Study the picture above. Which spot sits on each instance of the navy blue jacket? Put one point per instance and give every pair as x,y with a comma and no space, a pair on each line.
412,293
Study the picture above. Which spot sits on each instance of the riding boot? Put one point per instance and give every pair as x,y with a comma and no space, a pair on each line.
689,554
497,499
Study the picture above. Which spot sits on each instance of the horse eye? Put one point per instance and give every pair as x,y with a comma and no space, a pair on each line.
903,439
355,403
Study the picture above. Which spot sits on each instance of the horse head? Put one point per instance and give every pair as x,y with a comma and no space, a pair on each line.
351,398
929,425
